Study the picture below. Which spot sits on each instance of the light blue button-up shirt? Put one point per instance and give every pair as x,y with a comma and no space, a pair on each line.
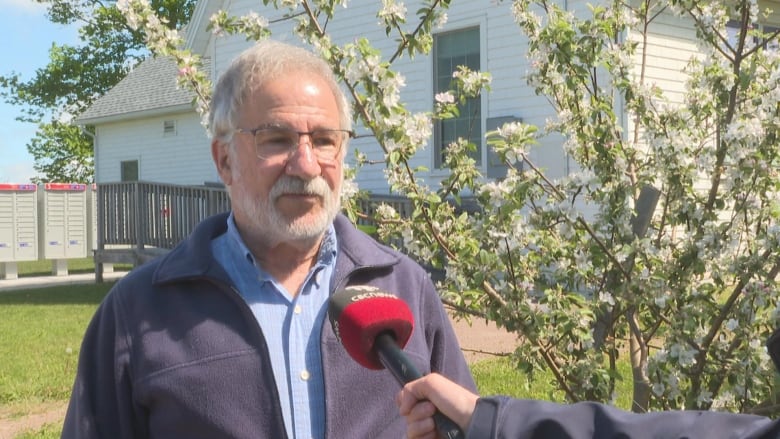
291,325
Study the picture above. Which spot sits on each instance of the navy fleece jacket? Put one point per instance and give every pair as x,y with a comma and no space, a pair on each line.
174,352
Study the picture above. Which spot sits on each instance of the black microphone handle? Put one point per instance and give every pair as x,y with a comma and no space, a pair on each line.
394,360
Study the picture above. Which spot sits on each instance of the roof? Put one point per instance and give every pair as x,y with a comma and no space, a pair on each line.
149,89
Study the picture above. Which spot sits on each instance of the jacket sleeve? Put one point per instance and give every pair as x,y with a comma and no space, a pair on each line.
446,354
101,402
502,417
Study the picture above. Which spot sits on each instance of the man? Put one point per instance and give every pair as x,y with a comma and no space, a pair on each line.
225,337
502,417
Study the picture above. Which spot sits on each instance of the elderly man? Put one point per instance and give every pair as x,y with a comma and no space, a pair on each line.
225,337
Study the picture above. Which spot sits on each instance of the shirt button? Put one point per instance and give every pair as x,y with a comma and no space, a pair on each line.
297,309
318,277
305,375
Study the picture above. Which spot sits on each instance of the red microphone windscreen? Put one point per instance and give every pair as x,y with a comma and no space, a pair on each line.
359,313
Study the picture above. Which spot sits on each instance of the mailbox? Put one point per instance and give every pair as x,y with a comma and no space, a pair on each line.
18,222
63,225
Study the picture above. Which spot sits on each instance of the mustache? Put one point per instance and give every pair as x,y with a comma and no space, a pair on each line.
288,184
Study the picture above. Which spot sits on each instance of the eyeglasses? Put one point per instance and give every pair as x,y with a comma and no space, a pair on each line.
275,142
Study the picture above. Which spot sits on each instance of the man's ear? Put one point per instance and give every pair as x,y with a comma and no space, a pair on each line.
220,153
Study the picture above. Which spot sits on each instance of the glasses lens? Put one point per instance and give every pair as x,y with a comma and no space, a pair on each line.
325,143
280,142
273,142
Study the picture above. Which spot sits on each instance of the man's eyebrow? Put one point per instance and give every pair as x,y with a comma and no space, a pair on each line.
271,125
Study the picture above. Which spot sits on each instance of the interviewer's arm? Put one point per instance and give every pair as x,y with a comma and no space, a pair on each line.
502,417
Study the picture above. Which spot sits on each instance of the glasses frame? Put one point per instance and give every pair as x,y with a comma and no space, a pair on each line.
253,131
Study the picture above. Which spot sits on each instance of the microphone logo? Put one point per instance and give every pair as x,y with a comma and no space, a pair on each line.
364,292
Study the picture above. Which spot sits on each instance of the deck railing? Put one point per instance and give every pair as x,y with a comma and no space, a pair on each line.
140,220
157,215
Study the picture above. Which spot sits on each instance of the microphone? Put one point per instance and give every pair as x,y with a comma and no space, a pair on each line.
374,326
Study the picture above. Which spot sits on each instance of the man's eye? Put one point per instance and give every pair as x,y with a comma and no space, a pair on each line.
275,139
280,139
324,140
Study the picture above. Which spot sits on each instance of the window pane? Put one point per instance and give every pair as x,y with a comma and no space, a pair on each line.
453,49
129,170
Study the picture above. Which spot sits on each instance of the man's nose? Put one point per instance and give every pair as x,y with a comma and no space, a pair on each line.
302,161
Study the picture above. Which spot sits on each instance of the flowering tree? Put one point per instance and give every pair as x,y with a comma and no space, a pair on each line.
661,247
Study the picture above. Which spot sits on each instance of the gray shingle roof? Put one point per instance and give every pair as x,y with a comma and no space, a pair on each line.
150,86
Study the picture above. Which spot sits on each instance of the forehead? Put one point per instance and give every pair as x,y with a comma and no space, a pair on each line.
295,95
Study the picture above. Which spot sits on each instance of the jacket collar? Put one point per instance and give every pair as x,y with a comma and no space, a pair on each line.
192,258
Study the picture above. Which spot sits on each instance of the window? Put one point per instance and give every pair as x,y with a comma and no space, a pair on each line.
733,28
169,128
453,49
129,170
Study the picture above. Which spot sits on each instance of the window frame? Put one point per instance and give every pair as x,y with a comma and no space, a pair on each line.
438,146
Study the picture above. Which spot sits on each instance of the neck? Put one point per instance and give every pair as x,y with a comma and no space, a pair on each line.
288,263
287,255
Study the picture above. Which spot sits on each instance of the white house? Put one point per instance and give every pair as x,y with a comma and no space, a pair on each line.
147,130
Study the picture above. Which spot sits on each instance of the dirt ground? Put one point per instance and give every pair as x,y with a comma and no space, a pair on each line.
12,425
479,341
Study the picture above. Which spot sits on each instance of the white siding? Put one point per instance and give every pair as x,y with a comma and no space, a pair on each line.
671,44
504,55
181,158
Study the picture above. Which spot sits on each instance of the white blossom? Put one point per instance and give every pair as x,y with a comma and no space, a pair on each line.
349,188
660,300
684,355
441,20
703,398
445,97
419,128
723,400
292,4
472,81
392,11
606,297
386,211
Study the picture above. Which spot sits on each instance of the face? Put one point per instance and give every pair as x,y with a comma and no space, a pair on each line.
287,198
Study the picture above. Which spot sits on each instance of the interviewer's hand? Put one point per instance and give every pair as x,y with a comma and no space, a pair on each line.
418,401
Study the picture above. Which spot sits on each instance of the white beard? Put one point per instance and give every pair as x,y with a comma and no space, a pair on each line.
269,222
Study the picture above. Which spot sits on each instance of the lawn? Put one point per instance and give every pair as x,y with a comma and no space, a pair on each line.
40,335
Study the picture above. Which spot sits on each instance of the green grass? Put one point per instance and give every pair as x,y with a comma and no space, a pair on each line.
369,230
500,377
48,431
40,335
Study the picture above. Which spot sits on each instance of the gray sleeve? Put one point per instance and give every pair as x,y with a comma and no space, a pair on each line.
506,418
